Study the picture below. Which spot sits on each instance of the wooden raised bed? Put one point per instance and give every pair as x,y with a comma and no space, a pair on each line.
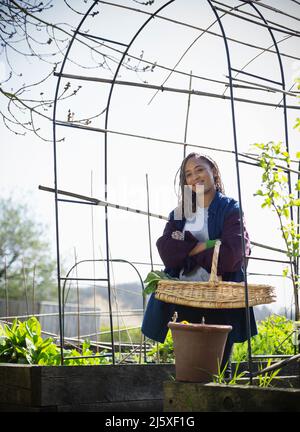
103,388
211,397
133,388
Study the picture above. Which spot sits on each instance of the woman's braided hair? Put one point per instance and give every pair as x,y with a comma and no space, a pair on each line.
181,171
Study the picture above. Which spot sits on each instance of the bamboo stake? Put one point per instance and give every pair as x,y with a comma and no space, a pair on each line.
149,226
25,285
78,304
93,254
169,89
33,290
100,202
6,288
187,117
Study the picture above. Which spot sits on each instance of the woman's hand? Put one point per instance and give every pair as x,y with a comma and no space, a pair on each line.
177,235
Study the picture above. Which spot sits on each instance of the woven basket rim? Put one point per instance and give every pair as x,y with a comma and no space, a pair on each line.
212,283
214,293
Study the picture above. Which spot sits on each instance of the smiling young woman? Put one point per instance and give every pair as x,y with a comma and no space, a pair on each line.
186,249
199,171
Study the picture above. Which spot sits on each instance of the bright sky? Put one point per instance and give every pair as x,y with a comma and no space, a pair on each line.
27,162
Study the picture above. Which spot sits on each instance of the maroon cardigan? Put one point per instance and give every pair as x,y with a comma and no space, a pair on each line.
174,253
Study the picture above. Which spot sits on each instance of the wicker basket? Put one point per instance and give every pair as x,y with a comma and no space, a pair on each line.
213,294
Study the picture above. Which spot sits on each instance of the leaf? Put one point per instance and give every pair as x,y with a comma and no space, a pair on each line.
155,275
259,192
152,280
285,272
29,344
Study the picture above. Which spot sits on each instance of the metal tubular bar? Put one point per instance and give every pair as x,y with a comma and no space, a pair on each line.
264,87
75,202
286,170
256,76
183,55
92,37
88,356
193,27
115,82
244,87
83,279
131,312
112,260
298,232
168,89
239,184
148,222
105,203
187,117
267,259
60,306
263,356
268,247
99,202
110,309
107,112
264,274
295,261
249,163
252,15
261,53
275,9
265,25
92,129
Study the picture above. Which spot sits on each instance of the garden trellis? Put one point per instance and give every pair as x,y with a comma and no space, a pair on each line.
121,52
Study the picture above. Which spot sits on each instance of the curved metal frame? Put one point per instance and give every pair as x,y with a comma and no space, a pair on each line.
60,306
295,261
105,147
232,100
56,179
101,260
270,29
238,182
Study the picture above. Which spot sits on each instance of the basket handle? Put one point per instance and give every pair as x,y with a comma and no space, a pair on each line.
214,265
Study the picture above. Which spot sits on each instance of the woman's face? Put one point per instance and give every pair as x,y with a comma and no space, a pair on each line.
198,172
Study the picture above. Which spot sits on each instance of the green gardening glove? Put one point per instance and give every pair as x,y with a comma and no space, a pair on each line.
210,244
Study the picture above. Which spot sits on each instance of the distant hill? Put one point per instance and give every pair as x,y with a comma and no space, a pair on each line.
127,295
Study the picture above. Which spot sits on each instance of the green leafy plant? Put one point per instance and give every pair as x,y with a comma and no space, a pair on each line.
152,280
22,343
274,337
277,195
86,351
220,377
163,351
265,379
297,124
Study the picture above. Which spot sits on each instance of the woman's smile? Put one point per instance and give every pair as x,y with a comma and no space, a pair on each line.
199,173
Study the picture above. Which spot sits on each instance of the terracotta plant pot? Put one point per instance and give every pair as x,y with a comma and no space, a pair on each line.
198,350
